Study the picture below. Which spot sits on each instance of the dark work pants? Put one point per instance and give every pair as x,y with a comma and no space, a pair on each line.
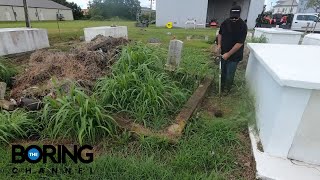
228,70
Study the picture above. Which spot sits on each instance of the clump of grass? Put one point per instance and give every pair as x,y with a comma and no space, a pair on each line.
7,71
208,146
137,55
261,39
76,116
140,87
193,68
16,124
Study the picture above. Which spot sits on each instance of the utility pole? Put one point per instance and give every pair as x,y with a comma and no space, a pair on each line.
26,14
291,7
151,2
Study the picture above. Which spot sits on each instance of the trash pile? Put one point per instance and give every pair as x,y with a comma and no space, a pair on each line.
84,64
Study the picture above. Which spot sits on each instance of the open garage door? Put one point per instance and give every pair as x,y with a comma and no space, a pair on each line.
219,9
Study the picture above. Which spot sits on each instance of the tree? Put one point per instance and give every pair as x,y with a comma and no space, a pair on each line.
76,10
126,9
315,4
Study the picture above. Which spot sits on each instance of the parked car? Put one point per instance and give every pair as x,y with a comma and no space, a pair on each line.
301,20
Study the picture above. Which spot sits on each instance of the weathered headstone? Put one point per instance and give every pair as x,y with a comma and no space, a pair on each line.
154,40
3,87
206,38
174,56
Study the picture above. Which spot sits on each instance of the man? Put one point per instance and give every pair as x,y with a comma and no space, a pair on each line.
231,38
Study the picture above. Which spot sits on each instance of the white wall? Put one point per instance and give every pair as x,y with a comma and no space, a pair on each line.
285,10
306,144
311,39
256,7
179,11
279,109
7,14
220,9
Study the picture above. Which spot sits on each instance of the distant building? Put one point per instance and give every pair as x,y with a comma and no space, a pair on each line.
85,12
302,7
146,10
286,7
39,10
203,11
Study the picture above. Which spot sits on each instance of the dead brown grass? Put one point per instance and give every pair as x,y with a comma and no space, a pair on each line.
86,63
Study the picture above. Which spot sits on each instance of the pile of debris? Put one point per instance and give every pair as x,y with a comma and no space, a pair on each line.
85,63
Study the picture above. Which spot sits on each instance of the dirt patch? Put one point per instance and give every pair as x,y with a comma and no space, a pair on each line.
85,63
209,107
246,158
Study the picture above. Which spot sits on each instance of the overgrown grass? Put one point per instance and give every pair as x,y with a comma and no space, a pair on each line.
261,39
72,30
140,87
76,116
16,125
7,71
209,148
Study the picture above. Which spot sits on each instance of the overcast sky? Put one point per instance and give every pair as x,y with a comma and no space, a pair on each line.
83,3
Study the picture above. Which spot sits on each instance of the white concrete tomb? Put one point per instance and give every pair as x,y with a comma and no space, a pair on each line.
311,39
278,35
116,32
19,40
287,91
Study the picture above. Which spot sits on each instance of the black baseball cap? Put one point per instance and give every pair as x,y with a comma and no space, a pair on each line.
235,11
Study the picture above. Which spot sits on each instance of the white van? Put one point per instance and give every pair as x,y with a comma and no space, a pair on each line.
301,20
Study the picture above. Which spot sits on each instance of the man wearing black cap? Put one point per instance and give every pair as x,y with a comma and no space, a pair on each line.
231,38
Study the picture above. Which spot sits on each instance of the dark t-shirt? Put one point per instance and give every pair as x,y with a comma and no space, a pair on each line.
232,33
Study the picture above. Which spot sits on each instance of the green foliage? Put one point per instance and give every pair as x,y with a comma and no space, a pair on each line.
76,115
97,18
315,4
16,124
208,146
6,71
139,86
125,9
76,10
261,39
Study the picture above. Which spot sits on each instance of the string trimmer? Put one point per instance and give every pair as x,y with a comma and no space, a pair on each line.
219,113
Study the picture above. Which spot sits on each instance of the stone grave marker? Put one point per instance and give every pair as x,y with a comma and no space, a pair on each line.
174,56
3,87
206,38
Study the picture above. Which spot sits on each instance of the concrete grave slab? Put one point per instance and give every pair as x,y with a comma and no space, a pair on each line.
286,87
311,39
278,35
274,168
19,40
116,32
